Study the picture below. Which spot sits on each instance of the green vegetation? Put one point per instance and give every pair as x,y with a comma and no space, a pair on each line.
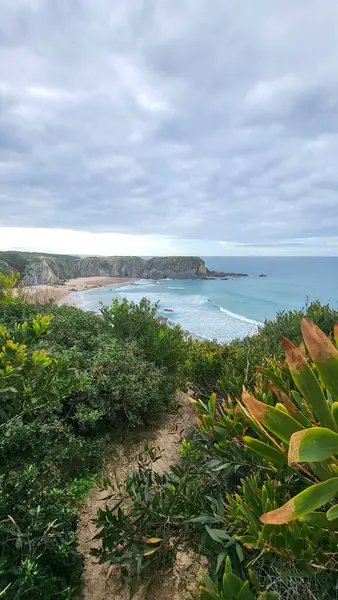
237,472
8,293
254,491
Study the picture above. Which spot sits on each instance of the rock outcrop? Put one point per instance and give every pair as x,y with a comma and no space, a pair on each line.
53,268
174,267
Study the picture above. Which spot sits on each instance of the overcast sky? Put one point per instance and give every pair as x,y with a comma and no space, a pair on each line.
169,126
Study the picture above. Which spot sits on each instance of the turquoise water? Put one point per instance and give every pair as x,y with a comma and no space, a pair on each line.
224,310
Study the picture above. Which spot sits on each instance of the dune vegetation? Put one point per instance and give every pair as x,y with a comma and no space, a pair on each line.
254,492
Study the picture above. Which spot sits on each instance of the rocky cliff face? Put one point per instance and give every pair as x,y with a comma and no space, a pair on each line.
52,268
111,266
174,267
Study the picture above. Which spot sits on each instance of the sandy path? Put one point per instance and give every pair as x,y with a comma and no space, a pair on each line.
101,582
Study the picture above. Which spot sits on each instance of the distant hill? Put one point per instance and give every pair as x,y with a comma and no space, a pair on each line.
41,268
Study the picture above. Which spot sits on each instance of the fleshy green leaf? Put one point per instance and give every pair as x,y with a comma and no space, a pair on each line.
316,519
281,424
312,445
306,502
332,513
208,594
245,593
323,354
254,580
212,405
220,433
268,452
334,410
308,384
231,585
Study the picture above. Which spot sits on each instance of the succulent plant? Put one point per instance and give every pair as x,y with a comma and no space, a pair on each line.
300,428
233,588
290,422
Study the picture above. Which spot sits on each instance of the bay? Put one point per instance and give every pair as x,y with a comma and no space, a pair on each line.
224,310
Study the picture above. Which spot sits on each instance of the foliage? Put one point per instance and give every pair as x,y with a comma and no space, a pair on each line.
301,422
292,423
150,513
161,344
233,588
8,281
298,541
137,532
205,364
68,381
69,328
26,376
225,368
124,387
40,458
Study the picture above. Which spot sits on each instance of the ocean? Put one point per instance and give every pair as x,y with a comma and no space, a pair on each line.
225,310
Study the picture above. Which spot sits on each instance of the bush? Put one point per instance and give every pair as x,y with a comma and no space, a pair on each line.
8,293
293,422
152,512
39,456
242,456
38,553
124,388
161,344
225,368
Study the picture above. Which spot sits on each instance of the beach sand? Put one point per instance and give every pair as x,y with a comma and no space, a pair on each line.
60,293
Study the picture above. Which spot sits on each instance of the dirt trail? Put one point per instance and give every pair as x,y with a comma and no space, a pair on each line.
101,582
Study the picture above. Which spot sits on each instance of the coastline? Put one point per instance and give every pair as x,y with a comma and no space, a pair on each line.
61,293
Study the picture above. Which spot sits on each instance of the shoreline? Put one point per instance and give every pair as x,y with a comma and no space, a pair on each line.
61,293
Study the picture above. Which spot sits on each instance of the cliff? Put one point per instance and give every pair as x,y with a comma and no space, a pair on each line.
36,268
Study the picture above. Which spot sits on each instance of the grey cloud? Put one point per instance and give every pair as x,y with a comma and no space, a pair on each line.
181,118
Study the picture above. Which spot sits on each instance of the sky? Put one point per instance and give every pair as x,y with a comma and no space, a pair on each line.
169,126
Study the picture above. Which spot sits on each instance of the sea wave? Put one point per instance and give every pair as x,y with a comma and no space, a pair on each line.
174,287
240,317
80,300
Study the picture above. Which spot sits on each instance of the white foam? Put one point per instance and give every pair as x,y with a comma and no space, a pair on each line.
240,317
192,312
78,299
174,287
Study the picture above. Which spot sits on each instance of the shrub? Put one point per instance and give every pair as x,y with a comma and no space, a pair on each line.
39,457
38,553
160,343
8,293
124,387
204,365
70,327
140,529
233,588
225,368
291,426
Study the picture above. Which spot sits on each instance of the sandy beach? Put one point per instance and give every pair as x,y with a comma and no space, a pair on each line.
60,293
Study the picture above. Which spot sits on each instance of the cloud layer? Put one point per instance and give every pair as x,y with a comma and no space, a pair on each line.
175,117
